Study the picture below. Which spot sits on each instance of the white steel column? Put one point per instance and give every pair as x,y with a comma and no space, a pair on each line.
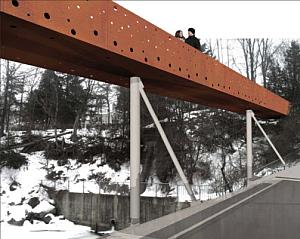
249,145
134,150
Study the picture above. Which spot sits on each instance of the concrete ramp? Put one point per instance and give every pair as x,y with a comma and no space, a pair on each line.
273,213
270,208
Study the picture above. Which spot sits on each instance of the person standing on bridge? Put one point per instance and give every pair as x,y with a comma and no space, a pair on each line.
179,35
192,40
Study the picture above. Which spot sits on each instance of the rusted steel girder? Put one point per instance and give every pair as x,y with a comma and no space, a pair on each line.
104,41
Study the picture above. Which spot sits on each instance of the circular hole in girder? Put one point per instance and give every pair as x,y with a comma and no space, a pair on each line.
115,43
15,3
158,58
189,76
131,49
95,32
170,65
146,59
197,74
205,77
47,15
218,84
115,8
73,32
179,69
212,85
28,14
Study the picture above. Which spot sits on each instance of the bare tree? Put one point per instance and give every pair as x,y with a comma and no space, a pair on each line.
251,56
11,71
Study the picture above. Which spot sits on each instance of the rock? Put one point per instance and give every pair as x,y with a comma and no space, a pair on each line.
47,219
44,207
13,186
22,200
14,222
33,202
42,212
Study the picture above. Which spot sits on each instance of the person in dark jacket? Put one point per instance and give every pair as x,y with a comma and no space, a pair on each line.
192,40
179,35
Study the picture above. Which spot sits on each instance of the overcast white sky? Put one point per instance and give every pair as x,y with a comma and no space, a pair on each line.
222,19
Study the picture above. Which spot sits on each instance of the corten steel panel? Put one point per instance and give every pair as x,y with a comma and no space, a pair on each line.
104,41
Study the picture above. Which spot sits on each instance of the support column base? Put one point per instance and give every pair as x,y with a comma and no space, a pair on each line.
135,221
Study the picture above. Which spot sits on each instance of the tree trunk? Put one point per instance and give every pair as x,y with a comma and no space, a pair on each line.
227,184
75,128
21,103
4,111
56,113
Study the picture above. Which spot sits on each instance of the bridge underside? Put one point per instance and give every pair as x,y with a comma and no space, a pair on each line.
103,41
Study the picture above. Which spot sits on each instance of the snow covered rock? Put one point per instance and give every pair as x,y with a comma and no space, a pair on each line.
17,215
14,222
41,212
14,185
44,207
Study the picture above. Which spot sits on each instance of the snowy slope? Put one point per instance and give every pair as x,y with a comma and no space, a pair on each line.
14,204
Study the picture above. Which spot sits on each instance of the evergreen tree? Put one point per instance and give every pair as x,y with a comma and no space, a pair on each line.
56,101
285,81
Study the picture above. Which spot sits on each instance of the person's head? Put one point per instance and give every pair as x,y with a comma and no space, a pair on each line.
179,34
191,31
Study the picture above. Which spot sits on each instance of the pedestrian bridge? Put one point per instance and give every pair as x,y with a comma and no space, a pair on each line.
269,208
104,41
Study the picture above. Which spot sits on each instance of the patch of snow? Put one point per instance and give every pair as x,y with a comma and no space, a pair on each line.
43,206
62,230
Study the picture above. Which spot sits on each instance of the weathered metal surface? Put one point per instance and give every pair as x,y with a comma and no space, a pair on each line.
104,41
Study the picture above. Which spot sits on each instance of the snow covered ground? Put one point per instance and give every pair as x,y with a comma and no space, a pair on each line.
14,205
61,230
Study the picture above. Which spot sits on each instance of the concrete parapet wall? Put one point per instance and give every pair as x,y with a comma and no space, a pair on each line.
91,209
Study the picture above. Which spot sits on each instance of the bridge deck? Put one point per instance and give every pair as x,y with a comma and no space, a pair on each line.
103,41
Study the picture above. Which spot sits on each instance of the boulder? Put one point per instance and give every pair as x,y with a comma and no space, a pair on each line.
13,186
47,219
14,222
42,212
33,202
